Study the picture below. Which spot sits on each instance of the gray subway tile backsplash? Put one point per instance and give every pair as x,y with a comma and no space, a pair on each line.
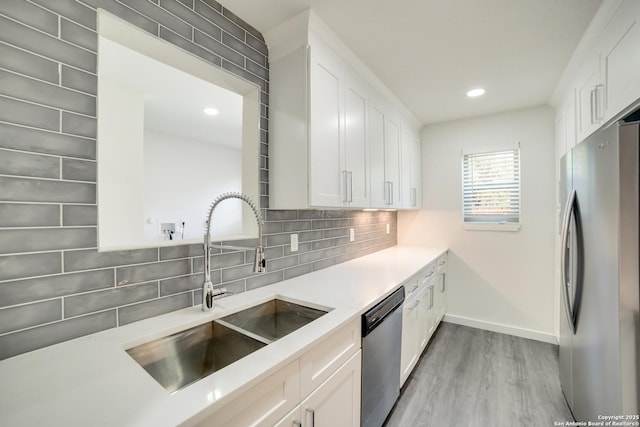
77,124
92,259
25,164
162,17
30,14
53,333
78,35
72,10
79,80
185,44
18,86
40,190
79,170
46,239
78,215
215,46
77,305
211,12
25,316
50,47
38,141
24,63
29,215
40,288
27,114
29,265
119,9
54,284
145,272
143,310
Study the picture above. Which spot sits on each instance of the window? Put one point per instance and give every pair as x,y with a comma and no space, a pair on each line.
491,188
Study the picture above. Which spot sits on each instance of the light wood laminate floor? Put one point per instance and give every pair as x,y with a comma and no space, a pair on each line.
470,377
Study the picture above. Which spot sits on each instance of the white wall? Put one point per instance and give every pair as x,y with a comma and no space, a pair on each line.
182,177
499,280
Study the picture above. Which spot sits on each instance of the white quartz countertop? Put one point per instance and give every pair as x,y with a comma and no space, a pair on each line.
92,381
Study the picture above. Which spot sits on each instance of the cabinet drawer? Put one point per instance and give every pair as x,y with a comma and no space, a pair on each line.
412,286
442,263
264,404
325,358
428,273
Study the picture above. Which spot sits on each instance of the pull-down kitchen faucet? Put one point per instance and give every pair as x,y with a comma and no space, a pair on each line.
259,263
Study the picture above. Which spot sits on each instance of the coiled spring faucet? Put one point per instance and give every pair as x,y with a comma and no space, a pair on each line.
259,265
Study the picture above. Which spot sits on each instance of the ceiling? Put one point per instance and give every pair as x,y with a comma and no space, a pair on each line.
167,108
429,53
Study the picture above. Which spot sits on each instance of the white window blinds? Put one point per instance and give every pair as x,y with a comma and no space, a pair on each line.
491,187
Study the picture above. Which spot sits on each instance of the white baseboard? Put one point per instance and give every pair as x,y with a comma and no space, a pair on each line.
503,329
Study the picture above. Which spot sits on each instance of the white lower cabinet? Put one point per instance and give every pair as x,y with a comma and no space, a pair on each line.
322,385
423,309
264,404
409,349
441,287
336,403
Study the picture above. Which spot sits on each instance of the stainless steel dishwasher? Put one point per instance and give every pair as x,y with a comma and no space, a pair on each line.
381,342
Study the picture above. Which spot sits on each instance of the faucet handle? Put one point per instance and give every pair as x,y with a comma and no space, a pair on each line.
260,263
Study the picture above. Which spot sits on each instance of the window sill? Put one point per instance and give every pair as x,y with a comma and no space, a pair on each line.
491,226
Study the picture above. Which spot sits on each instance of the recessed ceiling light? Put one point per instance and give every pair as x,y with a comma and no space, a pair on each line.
211,111
475,92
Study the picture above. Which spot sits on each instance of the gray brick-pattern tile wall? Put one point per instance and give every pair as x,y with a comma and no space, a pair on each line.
54,285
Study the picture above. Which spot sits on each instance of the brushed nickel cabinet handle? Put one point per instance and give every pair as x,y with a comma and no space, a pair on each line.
313,416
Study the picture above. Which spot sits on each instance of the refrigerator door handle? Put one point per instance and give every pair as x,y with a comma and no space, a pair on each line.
566,221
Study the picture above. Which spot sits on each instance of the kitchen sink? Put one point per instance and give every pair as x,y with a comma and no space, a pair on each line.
273,319
182,358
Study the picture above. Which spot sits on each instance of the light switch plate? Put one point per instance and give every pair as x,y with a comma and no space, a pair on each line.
352,234
388,228
294,243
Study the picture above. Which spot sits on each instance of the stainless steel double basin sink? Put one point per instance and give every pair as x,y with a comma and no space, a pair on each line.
182,358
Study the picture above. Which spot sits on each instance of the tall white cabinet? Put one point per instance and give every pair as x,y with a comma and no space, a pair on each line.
336,136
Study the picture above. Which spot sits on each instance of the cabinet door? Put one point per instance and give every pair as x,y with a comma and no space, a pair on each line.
441,290
409,349
392,162
588,90
620,53
325,127
410,176
425,316
416,173
336,403
377,155
355,144
264,404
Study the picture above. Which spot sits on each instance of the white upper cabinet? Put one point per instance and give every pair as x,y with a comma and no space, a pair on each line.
589,97
606,82
619,48
392,161
330,146
411,170
377,156
356,133
326,157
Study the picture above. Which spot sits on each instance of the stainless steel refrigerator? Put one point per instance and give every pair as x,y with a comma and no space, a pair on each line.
599,333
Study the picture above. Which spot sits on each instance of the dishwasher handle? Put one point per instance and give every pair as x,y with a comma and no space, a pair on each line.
375,316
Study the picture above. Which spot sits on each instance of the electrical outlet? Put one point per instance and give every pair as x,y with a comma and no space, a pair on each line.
294,243
388,228
352,234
